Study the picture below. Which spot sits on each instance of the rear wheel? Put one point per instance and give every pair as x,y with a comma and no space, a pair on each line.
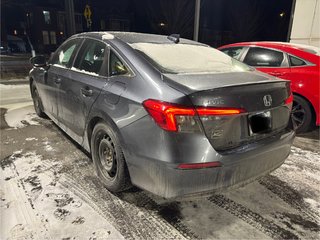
37,103
108,158
301,114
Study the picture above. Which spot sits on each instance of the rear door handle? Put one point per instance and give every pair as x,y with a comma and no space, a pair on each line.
87,92
277,74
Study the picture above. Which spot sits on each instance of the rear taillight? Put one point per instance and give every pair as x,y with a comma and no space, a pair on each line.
173,117
165,114
218,111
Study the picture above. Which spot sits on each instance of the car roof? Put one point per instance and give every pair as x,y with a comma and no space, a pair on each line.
133,37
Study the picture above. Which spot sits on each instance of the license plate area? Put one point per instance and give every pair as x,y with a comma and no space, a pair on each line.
260,123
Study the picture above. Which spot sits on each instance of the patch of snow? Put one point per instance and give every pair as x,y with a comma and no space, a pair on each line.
7,87
107,36
48,146
16,152
301,172
21,117
313,203
37,206
187,58
31,139
84,71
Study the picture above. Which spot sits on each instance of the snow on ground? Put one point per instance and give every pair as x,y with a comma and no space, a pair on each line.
31,139
55,194
301,172
21,117
281,205
47,145
36,206
18,86
13,96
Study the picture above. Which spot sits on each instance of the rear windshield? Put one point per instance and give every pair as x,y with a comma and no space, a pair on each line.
188,58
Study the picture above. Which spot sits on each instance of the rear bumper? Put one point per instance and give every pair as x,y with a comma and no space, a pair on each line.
238,168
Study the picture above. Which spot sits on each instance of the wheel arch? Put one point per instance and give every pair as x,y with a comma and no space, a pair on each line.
91,124
94,120
104,118
31,80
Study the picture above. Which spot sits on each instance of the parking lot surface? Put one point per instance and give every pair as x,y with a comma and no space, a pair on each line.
49,190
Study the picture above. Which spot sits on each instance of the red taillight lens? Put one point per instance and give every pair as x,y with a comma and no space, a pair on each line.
199,165
164,113
218,111
178,118
289,100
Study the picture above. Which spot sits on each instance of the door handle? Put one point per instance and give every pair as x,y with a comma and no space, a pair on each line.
277,74
57,80
87,92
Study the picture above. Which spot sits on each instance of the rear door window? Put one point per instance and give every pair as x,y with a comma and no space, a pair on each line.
262,57
234,52
91,58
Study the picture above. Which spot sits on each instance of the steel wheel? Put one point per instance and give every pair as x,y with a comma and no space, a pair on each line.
108,158
107,155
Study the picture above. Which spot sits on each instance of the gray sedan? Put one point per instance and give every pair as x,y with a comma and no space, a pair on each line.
169,115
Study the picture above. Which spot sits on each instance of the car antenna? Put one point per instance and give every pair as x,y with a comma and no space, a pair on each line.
174,38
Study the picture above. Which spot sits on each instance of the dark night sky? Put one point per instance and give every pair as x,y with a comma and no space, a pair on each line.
263,13
243,20
249,20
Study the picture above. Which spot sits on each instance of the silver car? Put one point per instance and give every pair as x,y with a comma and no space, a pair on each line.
169,115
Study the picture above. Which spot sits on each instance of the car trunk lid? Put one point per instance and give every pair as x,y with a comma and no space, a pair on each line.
261,101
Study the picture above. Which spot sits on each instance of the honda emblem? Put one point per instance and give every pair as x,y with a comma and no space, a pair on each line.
267,100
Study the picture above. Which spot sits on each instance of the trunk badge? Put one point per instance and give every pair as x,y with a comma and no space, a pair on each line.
267,100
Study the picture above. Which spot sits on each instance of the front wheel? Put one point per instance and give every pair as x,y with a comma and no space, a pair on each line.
301,114
108,158
37,103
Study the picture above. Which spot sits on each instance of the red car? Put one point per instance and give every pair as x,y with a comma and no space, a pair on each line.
295,62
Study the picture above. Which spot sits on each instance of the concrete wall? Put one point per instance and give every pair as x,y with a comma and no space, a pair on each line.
306,27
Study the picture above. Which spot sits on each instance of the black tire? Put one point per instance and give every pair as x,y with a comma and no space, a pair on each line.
302,115
108,158
37,103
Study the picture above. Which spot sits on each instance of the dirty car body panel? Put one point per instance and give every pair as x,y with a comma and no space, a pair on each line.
203,150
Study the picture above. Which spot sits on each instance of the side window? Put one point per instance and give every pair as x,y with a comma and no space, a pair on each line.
233,52
91,56
261,57
294,62
116,66
63,56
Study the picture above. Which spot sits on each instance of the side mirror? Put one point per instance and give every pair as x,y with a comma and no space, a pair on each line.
38,61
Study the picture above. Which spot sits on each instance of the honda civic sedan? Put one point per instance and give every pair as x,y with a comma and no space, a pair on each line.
169,115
